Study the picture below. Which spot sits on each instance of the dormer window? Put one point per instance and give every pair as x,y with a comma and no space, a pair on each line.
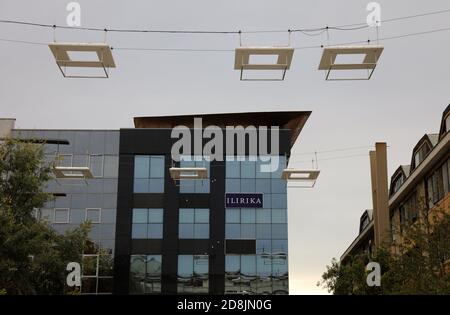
398,182
421,153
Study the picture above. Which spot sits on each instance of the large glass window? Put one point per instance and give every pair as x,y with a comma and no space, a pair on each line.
147,223
256,274
193,223
145,274
193,274
195,185
149,173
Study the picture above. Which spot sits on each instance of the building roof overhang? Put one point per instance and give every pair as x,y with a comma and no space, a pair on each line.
291,120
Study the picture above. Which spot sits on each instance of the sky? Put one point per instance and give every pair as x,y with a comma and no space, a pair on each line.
404,99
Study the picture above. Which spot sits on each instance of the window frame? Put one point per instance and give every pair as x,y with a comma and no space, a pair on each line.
54,215
102,163
99,215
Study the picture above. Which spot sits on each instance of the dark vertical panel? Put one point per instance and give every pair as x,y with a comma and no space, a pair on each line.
170,233
123,224
217,228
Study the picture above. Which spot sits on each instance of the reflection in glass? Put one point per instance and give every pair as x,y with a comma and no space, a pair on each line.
193,274
145,274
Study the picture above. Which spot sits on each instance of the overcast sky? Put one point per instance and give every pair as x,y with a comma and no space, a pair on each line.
404,99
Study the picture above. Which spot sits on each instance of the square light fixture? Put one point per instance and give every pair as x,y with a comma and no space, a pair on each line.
178,173
104,60
371,56
283,62
307,177
72,172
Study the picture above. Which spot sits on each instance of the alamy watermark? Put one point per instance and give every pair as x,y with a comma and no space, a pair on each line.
235,144
374,17
74,17
374,277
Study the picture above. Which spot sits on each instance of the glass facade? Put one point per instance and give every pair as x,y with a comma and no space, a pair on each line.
149,174
94,200
266,272
195,186
145,274
193,224
195,216
193,274
147,224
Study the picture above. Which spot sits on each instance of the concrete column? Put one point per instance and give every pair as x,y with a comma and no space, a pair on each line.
380,194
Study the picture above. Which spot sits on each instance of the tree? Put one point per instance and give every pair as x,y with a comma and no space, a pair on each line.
419,265
32,255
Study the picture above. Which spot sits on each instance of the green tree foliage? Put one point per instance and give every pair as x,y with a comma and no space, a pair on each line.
419,265
33,257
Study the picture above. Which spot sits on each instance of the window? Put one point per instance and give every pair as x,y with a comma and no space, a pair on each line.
96,165
97,274
149,174
193,274
193,223
147,223
195,185
61,215
435,187
145,274
421,153
398,182
93,215
256,274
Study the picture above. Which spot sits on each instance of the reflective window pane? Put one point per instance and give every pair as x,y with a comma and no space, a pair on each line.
155,215
186,215
155,231
185,265
232,263
157,167
232,168
139,231
140,215
201,231
263,231
156,185
279,216
186,230
232,231
232,216
279,231
248,265
263,216
201,215
248,169
141,166
248,231
248,215
141,185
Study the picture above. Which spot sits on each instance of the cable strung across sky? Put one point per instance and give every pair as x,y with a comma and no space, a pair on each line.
348,27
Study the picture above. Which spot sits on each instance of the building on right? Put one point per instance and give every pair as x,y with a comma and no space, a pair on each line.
421,187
